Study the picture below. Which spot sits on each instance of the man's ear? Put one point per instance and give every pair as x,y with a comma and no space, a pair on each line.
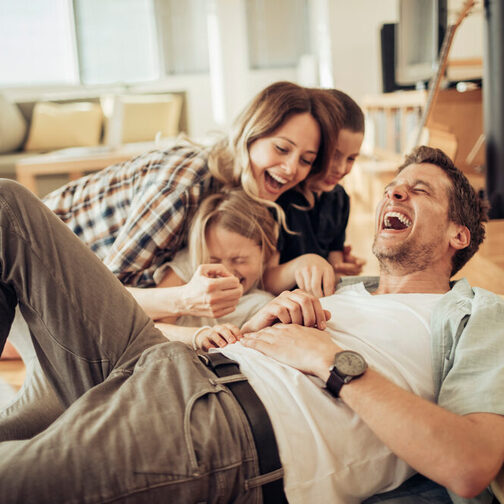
461,237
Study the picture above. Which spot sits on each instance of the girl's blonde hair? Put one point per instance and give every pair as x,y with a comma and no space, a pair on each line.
235,211
229,161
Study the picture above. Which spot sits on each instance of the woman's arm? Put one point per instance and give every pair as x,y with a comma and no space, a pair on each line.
163,301
211,292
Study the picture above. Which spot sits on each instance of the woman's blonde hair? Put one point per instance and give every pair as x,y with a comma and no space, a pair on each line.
229,161
235,211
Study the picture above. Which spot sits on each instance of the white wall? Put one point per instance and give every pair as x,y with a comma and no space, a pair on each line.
356,44
353,49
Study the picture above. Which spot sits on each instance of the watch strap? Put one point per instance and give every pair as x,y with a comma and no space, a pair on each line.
335,382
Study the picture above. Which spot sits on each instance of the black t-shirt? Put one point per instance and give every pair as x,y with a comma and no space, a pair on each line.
321,229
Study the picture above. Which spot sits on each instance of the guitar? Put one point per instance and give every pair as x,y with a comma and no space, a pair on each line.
443,137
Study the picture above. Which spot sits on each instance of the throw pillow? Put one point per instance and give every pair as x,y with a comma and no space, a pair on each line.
12,126
61,125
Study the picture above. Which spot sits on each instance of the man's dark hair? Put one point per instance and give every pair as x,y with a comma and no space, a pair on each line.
465,207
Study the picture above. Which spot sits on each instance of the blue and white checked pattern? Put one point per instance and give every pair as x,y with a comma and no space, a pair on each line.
135,215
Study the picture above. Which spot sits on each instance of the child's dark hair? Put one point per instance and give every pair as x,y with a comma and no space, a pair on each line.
353,116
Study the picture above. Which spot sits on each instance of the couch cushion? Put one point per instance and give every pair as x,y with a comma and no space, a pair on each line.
56,126
139,118
12,126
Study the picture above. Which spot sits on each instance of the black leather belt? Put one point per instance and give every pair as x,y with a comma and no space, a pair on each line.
260,424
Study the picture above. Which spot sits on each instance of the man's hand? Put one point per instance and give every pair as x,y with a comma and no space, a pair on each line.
315,275
212,292
290,307
217,336
349,264
307,349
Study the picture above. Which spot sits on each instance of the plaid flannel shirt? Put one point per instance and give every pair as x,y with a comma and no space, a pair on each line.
135,215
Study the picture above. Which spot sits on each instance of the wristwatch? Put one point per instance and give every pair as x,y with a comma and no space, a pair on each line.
347,366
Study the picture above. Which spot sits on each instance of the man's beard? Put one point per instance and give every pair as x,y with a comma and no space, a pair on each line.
407,256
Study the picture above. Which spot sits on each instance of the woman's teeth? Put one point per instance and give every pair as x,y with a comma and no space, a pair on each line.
275,180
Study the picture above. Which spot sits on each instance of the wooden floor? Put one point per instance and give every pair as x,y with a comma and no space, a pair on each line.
485,270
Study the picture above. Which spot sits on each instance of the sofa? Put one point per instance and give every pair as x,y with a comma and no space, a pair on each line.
32,128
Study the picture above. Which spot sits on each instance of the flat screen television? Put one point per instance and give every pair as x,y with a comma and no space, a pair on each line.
418,39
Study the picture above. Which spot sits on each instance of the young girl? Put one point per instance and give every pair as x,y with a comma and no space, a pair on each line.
314,256
231,234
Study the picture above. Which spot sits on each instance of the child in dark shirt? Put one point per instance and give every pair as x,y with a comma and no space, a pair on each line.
316,255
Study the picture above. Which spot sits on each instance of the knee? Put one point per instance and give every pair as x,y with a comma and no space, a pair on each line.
13,189
17,196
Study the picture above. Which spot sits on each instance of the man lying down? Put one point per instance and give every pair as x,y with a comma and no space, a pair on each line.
407,374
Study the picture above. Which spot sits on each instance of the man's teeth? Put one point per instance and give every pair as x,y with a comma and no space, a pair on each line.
279,179
397,215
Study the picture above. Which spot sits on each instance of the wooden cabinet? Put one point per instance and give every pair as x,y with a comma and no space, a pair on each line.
455,126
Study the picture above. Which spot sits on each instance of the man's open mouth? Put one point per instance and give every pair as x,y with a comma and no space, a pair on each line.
274,181
396,221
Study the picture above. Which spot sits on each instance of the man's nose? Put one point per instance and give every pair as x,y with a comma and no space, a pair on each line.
398,193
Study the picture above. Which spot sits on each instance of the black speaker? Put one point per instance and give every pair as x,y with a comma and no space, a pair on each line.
387,40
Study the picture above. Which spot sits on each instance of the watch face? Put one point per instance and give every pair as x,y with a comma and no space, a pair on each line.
350,363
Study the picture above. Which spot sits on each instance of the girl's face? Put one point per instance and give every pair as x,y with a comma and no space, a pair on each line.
347,150
241,256
283,159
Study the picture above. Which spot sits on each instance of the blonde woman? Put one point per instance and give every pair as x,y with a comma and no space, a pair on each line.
135,215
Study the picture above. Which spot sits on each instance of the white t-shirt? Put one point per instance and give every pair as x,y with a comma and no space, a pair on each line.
249,304
328,453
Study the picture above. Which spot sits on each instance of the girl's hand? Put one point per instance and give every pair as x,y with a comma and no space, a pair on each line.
290,307
315,275
212,292
217,336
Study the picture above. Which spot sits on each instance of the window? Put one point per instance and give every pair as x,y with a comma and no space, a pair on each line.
116,41
100,42
183,35
278,32
37,41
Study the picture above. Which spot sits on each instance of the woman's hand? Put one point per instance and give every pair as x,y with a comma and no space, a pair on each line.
290,307
315,275
305,348
217,336
212,292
